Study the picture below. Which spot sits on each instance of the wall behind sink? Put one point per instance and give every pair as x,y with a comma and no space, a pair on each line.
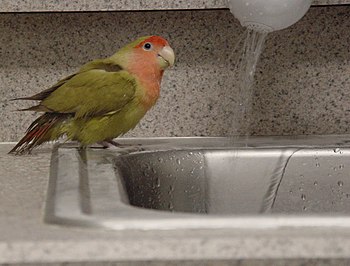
303,78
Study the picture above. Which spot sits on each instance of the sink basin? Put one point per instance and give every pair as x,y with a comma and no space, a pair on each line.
196,183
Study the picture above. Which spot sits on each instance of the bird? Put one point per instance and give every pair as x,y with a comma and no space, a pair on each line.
103,100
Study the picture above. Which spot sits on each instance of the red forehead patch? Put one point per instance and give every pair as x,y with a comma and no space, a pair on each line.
155,40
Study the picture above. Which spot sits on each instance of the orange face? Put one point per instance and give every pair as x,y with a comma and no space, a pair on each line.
156,47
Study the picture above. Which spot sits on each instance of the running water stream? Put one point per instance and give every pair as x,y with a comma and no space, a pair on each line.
246,68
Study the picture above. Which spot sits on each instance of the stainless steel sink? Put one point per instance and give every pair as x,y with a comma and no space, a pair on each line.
180,183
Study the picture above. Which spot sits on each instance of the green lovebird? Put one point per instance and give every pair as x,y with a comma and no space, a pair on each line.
103,100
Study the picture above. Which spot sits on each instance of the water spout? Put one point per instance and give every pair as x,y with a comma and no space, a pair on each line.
268,15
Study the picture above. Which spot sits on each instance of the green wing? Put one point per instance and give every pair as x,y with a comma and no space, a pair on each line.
98,89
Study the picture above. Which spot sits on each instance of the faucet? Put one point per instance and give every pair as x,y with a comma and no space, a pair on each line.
268,15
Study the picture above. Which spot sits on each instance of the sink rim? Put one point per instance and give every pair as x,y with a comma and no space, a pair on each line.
160,220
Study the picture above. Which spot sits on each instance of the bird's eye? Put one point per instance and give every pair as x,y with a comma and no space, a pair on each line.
147,46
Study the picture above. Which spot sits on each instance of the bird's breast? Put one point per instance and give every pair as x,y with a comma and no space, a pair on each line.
150,95
149,77
150,90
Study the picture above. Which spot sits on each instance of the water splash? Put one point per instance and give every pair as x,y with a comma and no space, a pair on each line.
276,179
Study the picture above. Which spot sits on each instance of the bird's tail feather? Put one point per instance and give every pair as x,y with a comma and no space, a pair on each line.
39,132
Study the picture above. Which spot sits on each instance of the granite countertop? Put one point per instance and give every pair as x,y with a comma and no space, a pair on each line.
109,5
26,238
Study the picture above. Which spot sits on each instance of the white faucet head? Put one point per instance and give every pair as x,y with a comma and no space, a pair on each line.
269,15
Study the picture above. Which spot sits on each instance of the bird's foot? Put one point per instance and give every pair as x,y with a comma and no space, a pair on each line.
114,143
104,144
108,143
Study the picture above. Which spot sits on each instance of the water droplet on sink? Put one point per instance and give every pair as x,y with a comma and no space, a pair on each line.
303,197
336,150
315,183
158,182
318,164
170,206
178,161
160,159
341,166
340,183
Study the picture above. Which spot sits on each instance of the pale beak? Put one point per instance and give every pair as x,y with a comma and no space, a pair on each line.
167,53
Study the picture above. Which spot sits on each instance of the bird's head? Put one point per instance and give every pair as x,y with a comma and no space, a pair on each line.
155,47
146,52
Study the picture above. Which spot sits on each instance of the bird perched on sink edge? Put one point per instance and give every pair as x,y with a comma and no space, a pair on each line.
103,100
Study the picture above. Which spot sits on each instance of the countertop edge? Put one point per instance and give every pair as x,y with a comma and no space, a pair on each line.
7,6
174,249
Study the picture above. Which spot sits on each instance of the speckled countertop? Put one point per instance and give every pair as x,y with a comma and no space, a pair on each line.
26,239
93,5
